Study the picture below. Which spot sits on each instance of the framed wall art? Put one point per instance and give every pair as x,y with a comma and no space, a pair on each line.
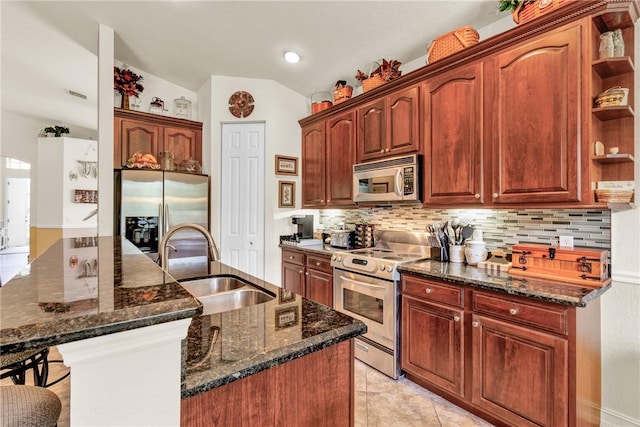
286,165
286,194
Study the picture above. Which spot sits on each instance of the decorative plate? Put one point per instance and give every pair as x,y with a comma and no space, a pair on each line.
241,104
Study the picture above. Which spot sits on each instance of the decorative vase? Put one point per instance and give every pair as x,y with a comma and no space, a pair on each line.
125,101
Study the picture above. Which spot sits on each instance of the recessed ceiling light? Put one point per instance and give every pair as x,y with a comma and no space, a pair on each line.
291,56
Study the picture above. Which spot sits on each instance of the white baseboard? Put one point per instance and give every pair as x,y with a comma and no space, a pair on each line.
610,418
630,277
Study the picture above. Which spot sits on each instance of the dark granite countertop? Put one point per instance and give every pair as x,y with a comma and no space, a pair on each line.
87,287
468,275
225,347
323,249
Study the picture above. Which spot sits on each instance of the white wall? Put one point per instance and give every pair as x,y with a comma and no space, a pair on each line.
280,109
621,307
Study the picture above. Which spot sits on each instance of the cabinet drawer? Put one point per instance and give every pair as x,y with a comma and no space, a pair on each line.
319,263
549,317
293,257
433,291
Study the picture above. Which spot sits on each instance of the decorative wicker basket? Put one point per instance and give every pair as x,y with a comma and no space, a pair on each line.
614,196
372,82
612,97
452,42
530,11
341,94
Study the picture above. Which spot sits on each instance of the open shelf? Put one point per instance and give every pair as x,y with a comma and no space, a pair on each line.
613,66
613,113
613,158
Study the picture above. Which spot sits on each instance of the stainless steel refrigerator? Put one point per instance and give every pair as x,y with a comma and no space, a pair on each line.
149,202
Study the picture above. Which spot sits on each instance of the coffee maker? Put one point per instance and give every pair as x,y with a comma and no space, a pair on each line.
303,227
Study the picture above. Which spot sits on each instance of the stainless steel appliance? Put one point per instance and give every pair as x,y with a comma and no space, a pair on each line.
302,232
149,202
344,239
389,180
366,285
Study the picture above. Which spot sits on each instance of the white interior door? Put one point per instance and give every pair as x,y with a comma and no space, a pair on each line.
242,198
18,194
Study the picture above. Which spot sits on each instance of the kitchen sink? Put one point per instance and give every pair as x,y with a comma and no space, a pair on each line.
224,293
231,300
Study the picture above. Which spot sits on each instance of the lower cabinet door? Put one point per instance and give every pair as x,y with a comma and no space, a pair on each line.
519,374
293,278
432,343
319,287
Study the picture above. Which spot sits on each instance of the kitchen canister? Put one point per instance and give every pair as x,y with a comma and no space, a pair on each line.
475,252
456,253
182,108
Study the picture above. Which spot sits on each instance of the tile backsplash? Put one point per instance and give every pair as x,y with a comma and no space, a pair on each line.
501,228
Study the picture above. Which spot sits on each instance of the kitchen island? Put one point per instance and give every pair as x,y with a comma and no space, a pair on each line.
120,323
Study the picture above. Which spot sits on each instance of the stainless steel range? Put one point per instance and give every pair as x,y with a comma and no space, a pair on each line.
367,288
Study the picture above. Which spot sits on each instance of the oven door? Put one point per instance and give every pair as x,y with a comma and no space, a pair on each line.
370,300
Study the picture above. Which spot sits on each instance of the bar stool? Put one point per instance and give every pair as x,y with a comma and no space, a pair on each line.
28,406
16,365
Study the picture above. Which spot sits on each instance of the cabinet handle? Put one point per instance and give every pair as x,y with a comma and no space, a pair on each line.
428,290
475,324
456,318
494,195
477,195
513,311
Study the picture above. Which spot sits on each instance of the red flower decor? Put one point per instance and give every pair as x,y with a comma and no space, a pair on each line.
127,82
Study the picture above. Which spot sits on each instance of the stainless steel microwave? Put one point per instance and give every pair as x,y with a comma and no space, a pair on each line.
388,180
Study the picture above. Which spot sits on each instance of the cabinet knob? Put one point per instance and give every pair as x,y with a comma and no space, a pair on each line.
382,151
318,264
513,311
322,201
291,257
428,290
494,195
306,274
456,318
300,271
387,150
477,195
475,324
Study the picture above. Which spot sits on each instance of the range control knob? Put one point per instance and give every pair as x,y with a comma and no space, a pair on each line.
389,268
381,267
339,259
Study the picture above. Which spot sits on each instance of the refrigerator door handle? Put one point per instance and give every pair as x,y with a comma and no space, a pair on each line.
166,217
160,223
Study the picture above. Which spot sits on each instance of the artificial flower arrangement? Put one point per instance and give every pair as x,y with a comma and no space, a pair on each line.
388,71
57,130
512,5
127,82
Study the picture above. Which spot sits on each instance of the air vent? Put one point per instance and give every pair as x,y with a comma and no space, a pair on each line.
76,94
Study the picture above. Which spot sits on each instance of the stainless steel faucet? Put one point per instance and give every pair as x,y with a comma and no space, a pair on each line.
212,249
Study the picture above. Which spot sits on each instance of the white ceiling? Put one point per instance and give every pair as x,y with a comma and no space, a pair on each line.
184,42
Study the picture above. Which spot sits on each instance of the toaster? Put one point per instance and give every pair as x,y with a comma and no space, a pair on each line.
343,239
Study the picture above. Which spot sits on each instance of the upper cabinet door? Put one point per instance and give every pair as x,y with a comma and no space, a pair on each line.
341,155
372,139
403,126
136,136
453,137
536,120
182,143
313,161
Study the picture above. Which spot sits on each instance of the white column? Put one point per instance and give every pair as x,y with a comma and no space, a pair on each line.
129,378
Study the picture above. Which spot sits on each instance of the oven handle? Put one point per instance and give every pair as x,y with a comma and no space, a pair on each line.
346,279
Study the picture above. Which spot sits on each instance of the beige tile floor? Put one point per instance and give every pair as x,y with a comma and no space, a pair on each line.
383,402
379,401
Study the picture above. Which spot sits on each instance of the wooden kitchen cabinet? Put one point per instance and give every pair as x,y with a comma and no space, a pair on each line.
453,137
309,275
151,133
536,122
511,360
390,126
432,335
328,155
